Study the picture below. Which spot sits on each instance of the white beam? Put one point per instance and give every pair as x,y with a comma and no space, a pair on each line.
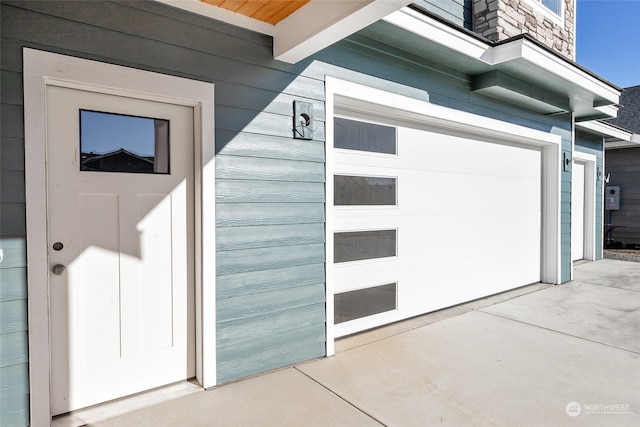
606,129
445,35
322,23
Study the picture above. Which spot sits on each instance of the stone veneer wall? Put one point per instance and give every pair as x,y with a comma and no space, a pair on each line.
502,19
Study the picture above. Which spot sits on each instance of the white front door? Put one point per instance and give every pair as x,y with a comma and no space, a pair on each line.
577,211
120,212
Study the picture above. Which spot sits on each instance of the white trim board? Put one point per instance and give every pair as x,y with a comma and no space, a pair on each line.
558,19
346,95
605,129
589,160
42,69
320,24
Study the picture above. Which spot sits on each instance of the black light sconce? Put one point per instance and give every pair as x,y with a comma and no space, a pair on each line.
303,120
566,161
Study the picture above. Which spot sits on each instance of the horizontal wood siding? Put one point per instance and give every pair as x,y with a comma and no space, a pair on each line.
456,11
565,207
624,166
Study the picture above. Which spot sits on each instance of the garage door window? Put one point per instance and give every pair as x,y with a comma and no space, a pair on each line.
362,136
364,191
364,302
361,245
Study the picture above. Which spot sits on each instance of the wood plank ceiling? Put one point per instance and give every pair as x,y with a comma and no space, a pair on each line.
269,11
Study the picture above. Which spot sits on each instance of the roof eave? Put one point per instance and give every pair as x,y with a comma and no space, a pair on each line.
520,52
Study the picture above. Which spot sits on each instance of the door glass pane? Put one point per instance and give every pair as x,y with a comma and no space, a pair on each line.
363,190
364,302
120,143
354,135
359,245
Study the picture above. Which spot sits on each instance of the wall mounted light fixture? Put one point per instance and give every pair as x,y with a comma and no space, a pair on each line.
303,120
566,161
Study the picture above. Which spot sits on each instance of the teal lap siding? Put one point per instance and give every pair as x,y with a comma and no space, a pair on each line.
456,11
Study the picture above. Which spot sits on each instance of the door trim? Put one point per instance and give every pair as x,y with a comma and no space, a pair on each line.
42,69
339,94
589,162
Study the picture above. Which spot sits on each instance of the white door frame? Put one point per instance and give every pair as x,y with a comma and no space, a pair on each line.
589,161
365,99
42,69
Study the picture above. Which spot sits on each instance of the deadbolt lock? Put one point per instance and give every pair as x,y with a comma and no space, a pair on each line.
58,269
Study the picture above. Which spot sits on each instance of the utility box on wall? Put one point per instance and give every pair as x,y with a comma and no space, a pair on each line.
612,198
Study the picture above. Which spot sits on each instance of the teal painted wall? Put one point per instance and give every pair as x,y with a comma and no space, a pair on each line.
593,144
458,12
14,355
270,187
565,209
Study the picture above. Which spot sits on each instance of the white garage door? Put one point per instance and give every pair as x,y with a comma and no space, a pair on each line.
425,219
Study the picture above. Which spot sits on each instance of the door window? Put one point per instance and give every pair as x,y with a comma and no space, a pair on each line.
122,143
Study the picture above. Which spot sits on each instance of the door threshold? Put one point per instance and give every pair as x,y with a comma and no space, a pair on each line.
114,408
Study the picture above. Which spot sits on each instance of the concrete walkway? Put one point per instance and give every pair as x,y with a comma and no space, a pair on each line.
537,356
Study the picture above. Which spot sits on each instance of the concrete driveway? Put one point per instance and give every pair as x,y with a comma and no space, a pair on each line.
537,356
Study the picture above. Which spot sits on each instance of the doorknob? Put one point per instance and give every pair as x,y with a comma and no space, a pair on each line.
58,269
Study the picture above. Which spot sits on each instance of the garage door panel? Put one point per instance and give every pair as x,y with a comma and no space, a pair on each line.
359,277
347,160
468,220
449,282
429,192
362,223
422,150
441,236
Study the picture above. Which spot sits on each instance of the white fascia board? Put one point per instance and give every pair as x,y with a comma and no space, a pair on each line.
429,28
452,38
610,110
530,52
220,14
624,140
605,129
322,23
622,144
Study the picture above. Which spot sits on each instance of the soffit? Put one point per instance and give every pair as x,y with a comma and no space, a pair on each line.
269,11
299,28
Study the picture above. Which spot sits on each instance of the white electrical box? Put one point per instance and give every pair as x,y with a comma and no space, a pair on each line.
612,198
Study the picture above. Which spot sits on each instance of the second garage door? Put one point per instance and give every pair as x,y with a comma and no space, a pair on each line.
427,218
